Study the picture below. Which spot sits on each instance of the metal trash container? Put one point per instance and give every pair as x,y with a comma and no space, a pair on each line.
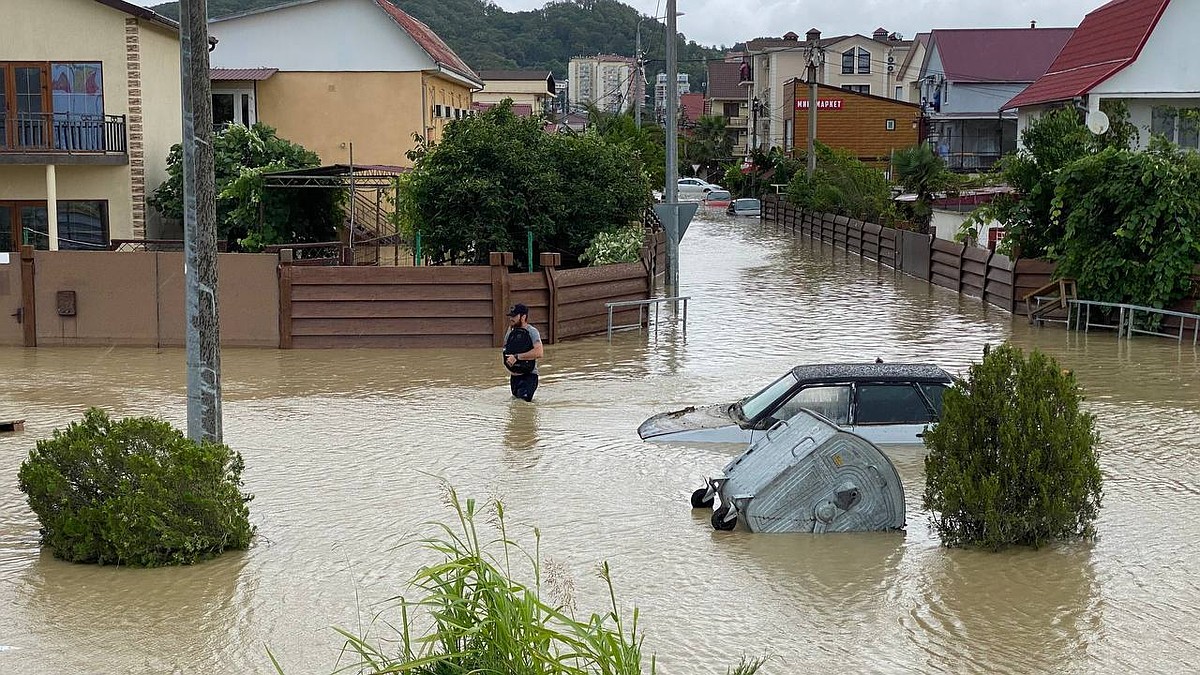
806,475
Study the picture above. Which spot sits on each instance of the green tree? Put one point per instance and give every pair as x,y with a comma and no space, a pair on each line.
709,143
842,184
249,216
135,492
922,172
1013,460
496,177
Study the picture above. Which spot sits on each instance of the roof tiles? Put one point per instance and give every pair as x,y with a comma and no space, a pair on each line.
1109,39
429,41
724,80
998,54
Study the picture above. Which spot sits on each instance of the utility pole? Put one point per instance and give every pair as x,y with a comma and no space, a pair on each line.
199,228
640,85
671,189
814,60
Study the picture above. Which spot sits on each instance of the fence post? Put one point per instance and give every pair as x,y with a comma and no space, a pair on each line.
549,261
285,298
501,294
28,299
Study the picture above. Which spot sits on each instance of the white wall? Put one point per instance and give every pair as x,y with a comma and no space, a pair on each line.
946,225
320,36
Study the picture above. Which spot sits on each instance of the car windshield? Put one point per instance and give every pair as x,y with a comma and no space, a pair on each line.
747,203
717,195
753,406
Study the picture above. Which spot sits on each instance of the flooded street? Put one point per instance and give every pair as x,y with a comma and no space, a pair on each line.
344,451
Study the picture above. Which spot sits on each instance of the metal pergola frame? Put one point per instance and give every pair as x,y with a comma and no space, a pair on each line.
366,177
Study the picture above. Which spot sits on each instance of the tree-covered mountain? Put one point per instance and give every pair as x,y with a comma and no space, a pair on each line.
488,37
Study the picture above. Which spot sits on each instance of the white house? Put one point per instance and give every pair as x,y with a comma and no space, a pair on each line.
1130,50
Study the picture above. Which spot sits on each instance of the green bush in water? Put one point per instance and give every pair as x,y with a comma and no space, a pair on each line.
481,620
135,492
622,245
1013,460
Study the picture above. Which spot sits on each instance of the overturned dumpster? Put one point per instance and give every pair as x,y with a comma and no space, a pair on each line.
806,475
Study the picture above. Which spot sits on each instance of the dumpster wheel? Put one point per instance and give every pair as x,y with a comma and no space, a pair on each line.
719,521
703,499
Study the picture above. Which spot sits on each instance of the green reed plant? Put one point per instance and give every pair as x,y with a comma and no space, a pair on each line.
472,616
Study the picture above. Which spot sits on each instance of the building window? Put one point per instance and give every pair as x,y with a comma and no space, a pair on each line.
232,107
848,62
890,125
82,225
1181,127
52,106
857,88
864,62
899,93
856,56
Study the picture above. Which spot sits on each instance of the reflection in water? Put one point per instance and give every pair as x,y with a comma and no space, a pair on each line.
345,449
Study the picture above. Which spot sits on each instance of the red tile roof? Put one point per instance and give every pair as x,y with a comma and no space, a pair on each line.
692,106
723,80
423,35
1109,39
519,109
997,54
240,74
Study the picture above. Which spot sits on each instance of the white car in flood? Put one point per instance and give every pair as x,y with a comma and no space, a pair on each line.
886,403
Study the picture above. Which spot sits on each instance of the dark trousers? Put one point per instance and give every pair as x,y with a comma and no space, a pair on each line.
523,386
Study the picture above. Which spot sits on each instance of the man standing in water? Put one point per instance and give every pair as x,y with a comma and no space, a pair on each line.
521,352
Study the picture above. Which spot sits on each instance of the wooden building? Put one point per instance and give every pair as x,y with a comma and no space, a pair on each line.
871,127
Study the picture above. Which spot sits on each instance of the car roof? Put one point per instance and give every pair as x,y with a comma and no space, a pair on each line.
874,372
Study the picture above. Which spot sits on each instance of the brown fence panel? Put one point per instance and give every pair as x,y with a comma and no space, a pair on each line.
998,290
973,275
854,239
349,307
945,259
841,232
531,288
871,232
887,246
1030,274
583,293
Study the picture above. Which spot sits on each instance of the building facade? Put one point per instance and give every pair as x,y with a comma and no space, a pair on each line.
607,81
1128,52
857,63
727,100
871,127
341,72
531,89
89,109
967,76
683,86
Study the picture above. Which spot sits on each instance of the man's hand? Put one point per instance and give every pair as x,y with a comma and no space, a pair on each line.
511,359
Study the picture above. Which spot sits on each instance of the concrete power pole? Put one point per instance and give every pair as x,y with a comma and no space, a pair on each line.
814,60
671,189
639,84
199,228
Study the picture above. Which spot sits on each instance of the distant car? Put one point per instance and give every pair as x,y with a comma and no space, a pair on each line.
717,199
694,188
745,207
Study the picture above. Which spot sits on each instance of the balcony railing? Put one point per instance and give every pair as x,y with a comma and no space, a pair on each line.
739,122
62,132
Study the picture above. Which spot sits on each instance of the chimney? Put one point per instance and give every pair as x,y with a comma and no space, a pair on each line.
1033,24
791,37
880,34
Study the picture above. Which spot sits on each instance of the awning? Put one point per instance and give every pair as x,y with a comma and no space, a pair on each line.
365,176
240,74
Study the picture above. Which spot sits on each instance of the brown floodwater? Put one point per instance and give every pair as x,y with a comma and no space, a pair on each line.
345,451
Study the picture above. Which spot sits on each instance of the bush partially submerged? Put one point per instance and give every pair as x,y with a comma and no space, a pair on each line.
483,620
1013,460
622,245
135,492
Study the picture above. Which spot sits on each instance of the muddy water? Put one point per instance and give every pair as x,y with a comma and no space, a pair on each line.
342,450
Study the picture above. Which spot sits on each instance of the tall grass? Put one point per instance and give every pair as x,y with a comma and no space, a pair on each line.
473,617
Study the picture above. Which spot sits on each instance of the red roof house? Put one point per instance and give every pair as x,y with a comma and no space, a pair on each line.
1136,51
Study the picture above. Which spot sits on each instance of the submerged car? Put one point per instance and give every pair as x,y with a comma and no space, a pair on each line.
717,199
745,207
888,403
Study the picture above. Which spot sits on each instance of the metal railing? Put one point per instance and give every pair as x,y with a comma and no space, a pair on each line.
645,305
62,132
1126,325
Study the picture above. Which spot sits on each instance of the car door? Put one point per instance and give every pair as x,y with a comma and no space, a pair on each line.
689,187
831,401
891,412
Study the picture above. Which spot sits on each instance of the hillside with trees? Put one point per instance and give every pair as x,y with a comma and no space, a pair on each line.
488,37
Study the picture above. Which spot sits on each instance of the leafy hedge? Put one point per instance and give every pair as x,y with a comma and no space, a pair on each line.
618,246
1013,460
135,492
842,184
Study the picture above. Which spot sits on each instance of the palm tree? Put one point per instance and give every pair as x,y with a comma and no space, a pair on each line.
921,171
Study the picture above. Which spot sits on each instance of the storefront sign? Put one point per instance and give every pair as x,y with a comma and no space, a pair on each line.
822,104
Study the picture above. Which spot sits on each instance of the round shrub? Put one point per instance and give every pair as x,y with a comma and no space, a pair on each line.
135,492
1013,460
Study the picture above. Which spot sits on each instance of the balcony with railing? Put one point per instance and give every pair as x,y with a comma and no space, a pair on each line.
738,122
62,138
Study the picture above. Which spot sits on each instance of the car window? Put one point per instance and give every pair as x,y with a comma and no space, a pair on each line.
890,404
717,195
753,406
687,181
829,401
933,392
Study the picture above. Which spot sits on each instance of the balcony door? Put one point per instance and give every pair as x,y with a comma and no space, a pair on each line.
24,105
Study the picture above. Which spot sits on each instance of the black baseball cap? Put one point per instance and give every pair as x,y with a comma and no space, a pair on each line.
518,309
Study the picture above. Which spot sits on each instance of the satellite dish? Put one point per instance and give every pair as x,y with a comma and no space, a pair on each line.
1097,122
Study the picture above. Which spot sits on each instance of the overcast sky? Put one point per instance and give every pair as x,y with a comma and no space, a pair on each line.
726,22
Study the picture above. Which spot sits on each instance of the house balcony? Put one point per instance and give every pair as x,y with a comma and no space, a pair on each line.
62,138
736,122
739,150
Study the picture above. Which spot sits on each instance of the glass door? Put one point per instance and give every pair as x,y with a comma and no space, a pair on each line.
8,240
30,84
35,230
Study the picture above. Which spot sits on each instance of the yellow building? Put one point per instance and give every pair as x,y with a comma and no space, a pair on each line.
531,91
328,74
89,108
